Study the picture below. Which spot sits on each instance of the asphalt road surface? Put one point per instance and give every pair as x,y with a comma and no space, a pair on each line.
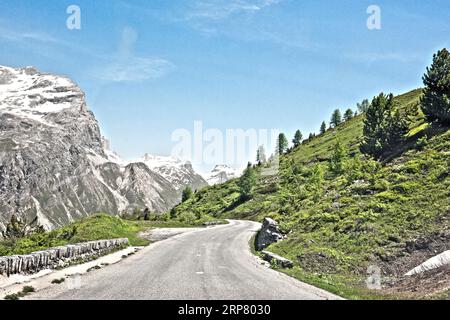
210,264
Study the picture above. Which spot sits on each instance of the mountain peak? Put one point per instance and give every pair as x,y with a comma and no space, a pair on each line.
27,93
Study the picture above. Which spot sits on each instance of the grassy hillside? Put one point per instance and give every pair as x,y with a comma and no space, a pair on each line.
95,227
391,214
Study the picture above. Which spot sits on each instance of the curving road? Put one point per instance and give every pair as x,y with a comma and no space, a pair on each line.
209,264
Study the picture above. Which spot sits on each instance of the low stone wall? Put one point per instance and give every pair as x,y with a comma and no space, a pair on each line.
58,257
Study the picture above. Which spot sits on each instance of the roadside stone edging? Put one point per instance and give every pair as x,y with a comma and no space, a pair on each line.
283,262
58,257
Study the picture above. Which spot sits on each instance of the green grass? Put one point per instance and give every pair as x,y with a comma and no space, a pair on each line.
341,224
96,227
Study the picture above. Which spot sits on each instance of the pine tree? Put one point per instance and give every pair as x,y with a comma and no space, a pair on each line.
348,115
363,106
282,144
187,194
338,158
247,182
297,138
336,118
383,128
397,128
261,155
323,127
436,99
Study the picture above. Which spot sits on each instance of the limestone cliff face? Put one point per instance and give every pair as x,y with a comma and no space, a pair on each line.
53,160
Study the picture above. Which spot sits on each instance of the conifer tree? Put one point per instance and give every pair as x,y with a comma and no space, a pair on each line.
336,118
247,182
384,128
261,155
338,158
323,128
297,138
363,106
436,99
348,114
187,194
282,144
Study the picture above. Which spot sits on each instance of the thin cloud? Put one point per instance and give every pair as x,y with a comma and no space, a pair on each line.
25,37
371,57
134,69
244,20
217,10
125,66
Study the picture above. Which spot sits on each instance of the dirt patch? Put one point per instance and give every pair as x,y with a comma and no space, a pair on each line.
317,262
431,284
415,253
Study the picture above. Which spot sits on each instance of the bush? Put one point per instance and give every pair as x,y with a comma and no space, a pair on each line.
58,281
422,143
188,218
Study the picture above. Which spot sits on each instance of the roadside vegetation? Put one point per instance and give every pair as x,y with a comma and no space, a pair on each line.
371,189
20,239
96,227
27,290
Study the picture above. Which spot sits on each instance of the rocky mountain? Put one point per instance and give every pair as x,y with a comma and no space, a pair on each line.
56,166
179,173
221,174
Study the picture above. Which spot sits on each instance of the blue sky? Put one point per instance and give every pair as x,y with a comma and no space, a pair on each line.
151,67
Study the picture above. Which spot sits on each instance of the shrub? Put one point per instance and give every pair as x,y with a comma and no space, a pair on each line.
58,281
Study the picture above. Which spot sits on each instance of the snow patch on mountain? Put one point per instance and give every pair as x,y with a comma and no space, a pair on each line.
179,173
221,174
27,93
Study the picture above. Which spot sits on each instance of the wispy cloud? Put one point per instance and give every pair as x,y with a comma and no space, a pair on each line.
371,57
125,66
216,10
26,37
133,69
122,66
244,20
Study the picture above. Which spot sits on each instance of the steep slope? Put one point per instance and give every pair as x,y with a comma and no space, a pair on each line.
47,133
391,215
55,165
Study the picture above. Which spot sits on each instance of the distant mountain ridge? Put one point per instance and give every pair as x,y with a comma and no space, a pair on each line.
56,166
221,174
